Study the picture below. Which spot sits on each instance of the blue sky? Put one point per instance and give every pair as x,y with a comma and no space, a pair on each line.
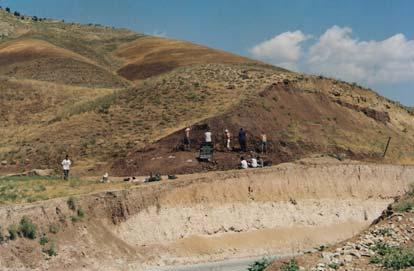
377,28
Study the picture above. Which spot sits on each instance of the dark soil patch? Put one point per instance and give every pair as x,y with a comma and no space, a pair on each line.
145,70
286,115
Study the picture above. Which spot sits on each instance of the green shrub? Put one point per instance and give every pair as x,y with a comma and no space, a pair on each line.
54,228
404,206
375,259
381,248
51,250
81,213
292,265
334,266
1,235
27,228
260,265
75,218
71,203
43,240
393,257
13,232
385,232
399,258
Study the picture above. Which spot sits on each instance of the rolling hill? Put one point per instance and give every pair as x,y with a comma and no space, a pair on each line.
118,101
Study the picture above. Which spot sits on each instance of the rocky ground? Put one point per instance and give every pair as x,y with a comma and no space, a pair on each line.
386,245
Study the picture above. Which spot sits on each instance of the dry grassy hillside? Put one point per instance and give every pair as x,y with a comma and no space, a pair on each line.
149,56
115,99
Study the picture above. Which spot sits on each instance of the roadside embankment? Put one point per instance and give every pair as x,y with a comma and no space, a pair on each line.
280,210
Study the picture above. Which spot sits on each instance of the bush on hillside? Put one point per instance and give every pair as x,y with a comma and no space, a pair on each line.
260,265
80,213
8,9
54,228
43,240
71,203
394,257
399,259
51,250
27,228
1,236
13,232
292,265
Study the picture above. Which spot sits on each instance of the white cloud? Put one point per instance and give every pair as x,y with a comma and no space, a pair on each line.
336,53
283,50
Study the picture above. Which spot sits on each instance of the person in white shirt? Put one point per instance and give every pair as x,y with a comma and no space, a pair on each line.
253,163
187,139
264,143
207,137
227,138
243,163
66,163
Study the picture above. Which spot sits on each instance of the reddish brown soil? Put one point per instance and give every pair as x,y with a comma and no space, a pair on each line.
278,108
142,71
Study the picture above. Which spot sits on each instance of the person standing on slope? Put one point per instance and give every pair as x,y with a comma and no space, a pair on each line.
207,137
66,163
242,140
264,143
187,139
227,138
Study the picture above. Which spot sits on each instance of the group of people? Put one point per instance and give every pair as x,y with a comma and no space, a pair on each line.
208,140
242,140
254,162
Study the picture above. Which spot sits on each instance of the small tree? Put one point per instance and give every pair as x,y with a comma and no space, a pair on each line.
17,14
8,9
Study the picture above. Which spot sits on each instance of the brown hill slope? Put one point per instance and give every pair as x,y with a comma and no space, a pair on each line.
41,60
149,56
108,122
301,116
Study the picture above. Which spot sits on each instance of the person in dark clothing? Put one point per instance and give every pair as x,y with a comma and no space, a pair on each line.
242,140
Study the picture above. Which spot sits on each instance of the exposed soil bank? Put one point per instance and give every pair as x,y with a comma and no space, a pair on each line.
214,216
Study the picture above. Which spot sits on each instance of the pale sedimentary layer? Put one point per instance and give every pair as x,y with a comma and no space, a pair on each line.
169,224
204,217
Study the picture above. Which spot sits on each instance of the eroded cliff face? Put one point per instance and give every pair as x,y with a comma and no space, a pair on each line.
280,210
